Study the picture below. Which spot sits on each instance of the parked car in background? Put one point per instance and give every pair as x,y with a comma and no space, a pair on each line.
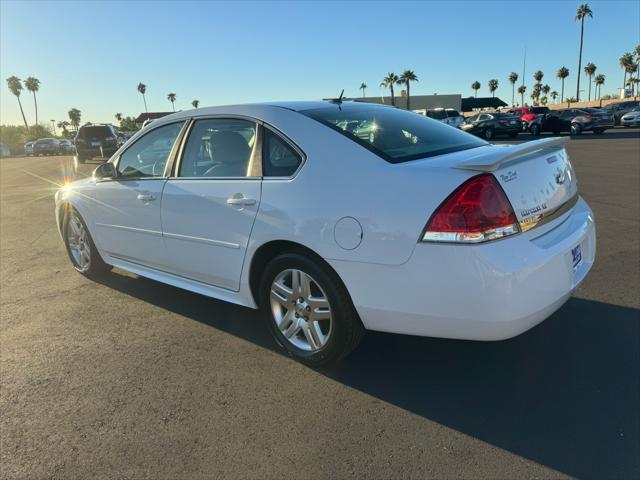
96,140
491,240
4,150
573,120
619,109
492,124
66,147
631,119
528,114
46,146
450,116
28,148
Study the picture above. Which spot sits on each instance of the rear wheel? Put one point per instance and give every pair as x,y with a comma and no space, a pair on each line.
576,129
82,251
488,133
308,310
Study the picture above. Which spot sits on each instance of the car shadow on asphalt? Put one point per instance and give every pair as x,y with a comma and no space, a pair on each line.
564,395
607,135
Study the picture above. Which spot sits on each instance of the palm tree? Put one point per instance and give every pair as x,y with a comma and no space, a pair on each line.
475,86
15,85
631,69
142,88
172,98
33,84
363,87
521,90
195,103
589,70
546,89
535,93
493,86
554,95
563,72
63,124
626,61
388,82
74,116
538,76
513,78
118,116
406,78
599,81
583,12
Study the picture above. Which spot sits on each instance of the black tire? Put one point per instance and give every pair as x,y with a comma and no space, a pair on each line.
96,267
576,129
535,129
488,133
346,328
513,134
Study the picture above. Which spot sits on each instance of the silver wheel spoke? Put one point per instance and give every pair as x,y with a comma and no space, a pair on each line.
301,310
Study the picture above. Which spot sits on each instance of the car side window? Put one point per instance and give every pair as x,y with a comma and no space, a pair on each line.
279,159
148,156
219,147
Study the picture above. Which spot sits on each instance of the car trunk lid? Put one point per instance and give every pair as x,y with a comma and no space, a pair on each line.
536,176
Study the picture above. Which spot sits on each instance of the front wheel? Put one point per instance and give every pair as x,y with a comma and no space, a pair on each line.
488,133
535,129
308,310
576,129
82,251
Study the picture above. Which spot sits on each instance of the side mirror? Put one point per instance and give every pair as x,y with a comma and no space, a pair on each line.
106,170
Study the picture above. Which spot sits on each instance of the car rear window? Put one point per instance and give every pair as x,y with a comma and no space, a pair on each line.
539,110
96,132
437,114
452,113
393,134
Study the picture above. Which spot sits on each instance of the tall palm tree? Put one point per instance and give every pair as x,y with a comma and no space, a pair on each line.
388,82
554,95
631,69
74,117
406,78
538,76
535,93
513,78
589,70
33,85
142,88
118,116
195,103
625,61
546,89
15,85
563,72
363,87
521,90
599,81
172,98
583,12
475,86
493,86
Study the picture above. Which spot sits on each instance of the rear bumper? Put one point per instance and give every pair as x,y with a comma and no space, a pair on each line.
96,151
489,291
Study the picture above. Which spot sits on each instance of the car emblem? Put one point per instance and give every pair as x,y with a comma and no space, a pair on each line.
560,176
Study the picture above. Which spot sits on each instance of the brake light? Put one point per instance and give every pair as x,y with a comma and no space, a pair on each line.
503,122
477,211
588,117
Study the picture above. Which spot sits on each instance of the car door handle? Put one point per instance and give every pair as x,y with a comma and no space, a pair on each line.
241,201
146,197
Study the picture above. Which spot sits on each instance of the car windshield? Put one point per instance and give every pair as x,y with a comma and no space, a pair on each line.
96,132
393,134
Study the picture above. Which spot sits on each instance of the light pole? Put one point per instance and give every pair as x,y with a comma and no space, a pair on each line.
53,127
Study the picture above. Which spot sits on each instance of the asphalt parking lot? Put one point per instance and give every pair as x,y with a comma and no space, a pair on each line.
129,378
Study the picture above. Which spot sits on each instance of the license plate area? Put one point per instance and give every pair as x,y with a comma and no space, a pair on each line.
576,256
95,144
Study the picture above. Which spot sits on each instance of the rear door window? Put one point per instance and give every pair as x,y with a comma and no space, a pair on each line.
279,159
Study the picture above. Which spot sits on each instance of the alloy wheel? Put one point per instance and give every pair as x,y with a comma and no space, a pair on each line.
301,310
78,242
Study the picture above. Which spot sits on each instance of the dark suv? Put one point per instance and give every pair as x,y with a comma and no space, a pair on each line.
96,140
618,109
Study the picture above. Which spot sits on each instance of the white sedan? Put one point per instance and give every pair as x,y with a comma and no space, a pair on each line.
333,218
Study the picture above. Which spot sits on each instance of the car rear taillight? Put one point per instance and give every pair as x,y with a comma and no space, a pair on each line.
503,122
588,117
477,211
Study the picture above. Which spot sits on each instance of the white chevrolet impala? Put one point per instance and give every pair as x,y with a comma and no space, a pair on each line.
333,218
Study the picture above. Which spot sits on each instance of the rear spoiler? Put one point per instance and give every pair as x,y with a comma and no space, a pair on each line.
490,161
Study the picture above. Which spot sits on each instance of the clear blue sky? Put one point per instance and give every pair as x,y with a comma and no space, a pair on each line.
91,55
